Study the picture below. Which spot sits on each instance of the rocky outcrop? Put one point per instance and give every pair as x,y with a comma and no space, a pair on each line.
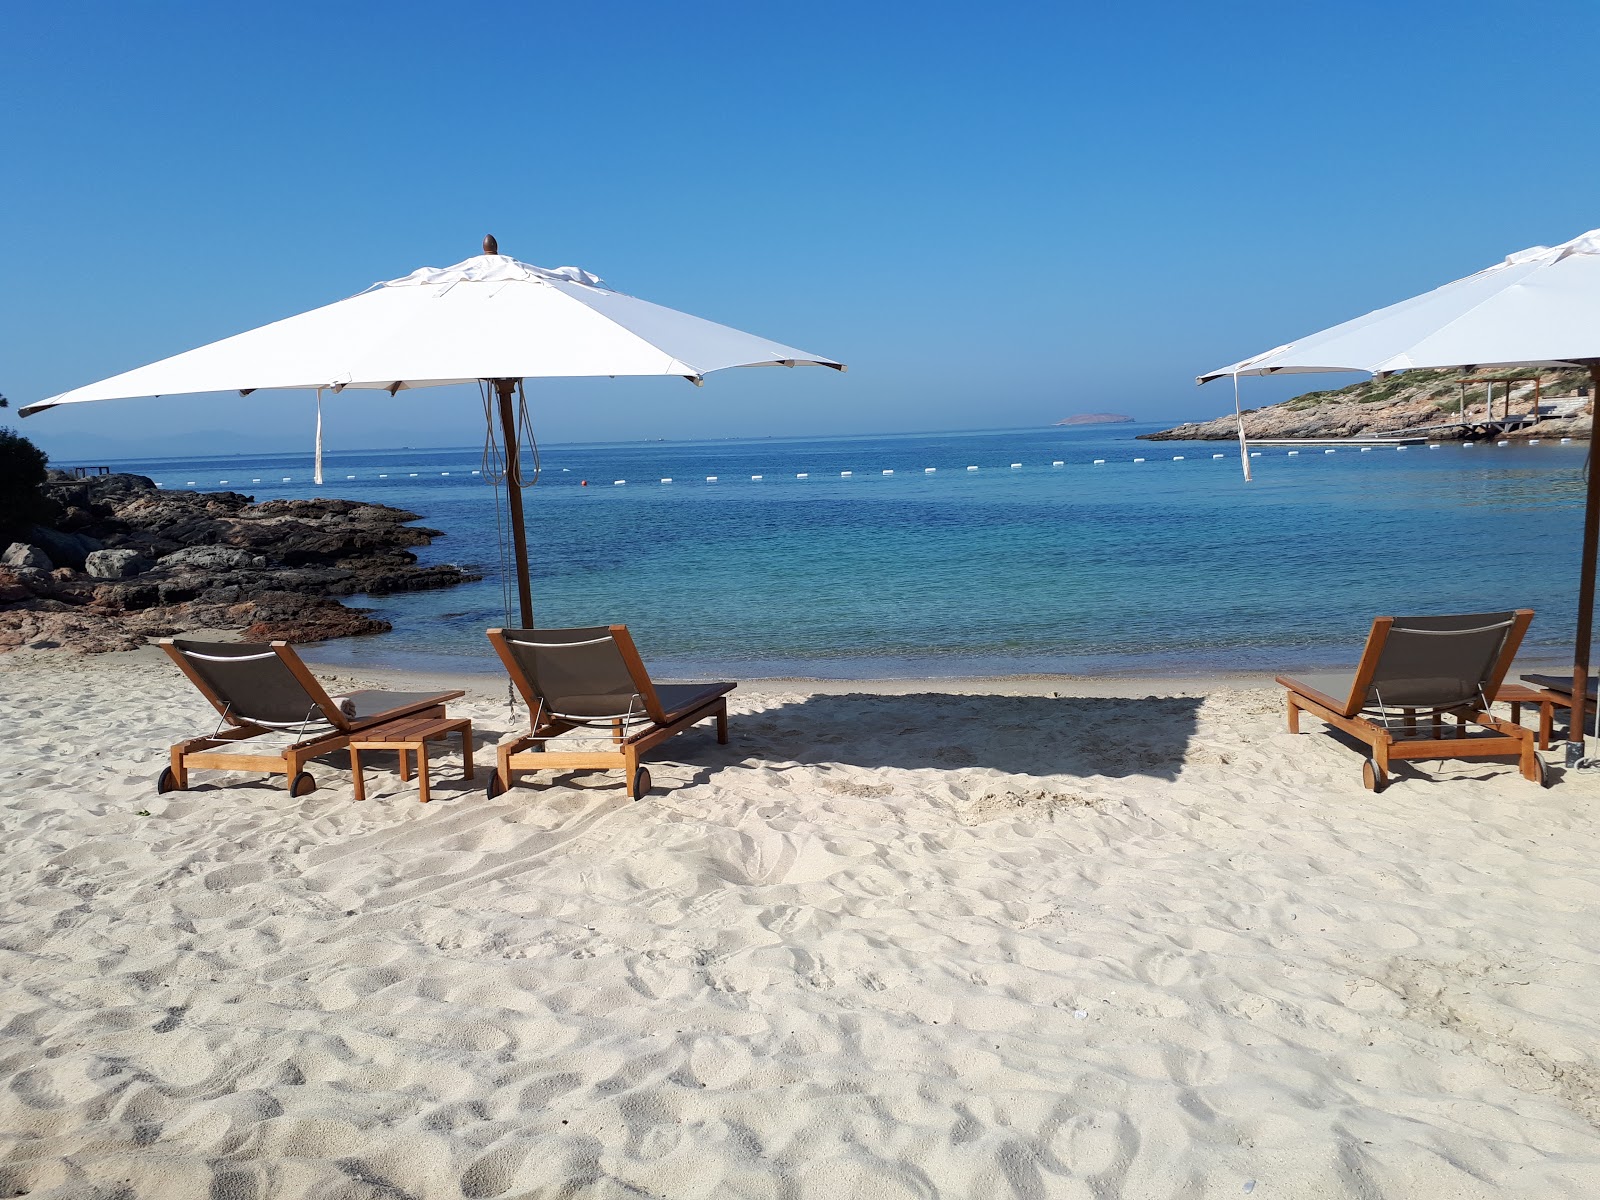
20,554
1425,403
128,561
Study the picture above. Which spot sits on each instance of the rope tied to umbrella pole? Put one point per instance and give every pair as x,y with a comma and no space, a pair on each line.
496,469
502,465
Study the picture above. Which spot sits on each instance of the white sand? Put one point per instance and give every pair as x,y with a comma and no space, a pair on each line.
923,944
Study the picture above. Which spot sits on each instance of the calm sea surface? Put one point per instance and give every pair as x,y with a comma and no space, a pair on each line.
1154,566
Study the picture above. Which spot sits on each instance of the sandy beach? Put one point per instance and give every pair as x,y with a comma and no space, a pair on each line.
1032,938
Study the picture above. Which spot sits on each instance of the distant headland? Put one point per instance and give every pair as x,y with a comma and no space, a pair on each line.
1442,405
1097,419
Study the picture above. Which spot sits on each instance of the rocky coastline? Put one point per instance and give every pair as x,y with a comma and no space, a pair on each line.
1434,404
125,561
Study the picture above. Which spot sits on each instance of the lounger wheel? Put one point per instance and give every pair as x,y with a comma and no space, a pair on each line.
494,787
641,783
166,782
1372,775
302,784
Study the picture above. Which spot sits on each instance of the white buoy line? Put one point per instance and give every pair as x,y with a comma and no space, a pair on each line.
892,471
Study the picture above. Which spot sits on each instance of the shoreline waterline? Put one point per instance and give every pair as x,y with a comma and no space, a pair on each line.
1043,552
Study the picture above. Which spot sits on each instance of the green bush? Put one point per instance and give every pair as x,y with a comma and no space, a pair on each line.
22,476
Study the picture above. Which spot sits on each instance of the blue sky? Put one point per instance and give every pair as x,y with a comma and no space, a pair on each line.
997,215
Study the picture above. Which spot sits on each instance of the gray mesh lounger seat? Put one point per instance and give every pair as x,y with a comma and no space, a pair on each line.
593,679
262,690
1427,668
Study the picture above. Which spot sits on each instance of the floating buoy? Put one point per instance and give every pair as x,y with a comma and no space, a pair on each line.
220,482
668,479
1468,445
1292,453
1366,449
475,473
413,474
618,482
161,485
1502,443
1216,456
1255,454
1058,463
803,475
1564,441
1177,458
1402,447
843,474
255,481
1330,451
286,479
929,470
385,476
1099,462
711,478
1138,460
1534,441
888,472
349,476
1015,466
1433,445
972,468
189,484
441,472
755,477
584,483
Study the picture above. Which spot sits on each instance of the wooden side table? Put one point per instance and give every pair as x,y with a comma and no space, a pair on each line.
410,735
1517,694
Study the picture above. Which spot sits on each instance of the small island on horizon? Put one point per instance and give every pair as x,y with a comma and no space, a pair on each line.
1097,419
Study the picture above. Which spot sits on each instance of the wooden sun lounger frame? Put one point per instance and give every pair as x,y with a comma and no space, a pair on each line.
527,753
211,752
1345,714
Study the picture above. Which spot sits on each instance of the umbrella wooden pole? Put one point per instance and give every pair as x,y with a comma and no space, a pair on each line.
1591,543
505,388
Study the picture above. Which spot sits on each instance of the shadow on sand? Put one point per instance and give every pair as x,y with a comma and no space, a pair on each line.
1023,735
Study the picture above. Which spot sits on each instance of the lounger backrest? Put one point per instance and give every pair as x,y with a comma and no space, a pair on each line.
1441,662
253,683
583,674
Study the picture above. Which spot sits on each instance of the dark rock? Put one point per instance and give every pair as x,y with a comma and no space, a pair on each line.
219,562
20,554
41,583
177,593
13,587
115,564
209,558
126,597
64,549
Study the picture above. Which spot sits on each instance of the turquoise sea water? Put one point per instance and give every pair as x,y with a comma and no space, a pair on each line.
1154,566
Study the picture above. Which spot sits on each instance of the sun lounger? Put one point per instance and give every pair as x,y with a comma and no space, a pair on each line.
593,679
263,690
1557,689
1429,669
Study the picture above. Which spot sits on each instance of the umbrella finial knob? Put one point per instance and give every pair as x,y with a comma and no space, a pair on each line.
490,246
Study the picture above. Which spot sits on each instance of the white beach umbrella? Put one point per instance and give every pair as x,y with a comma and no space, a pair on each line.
1538,308
490,319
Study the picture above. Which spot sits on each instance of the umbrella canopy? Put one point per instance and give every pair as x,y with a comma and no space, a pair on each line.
490,317
1539,307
